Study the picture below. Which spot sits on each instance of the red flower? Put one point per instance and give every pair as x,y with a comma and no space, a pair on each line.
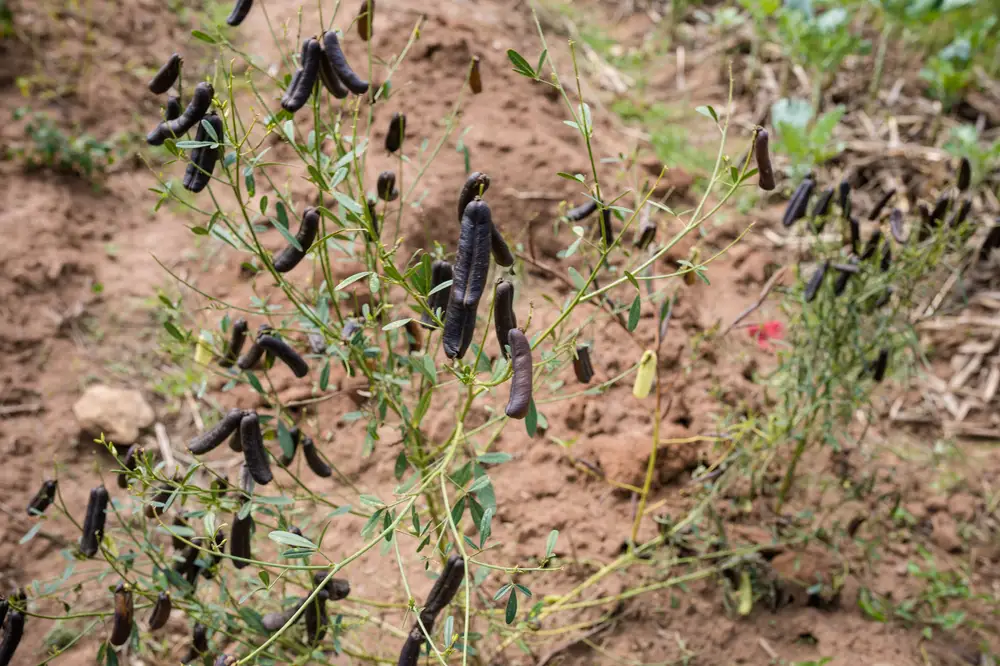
764,333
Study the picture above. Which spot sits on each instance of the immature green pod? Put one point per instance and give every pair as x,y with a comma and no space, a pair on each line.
252,357
647,233
303,82
386,186
365,20
93,523
475,77
199,171
290,257
254,453
582,366
196,109
295,434
410,654
313,459
958,217
274,621
503,313
964,178
822,207
799,203
240,10
846,271
13,631
339,65
329,78
397,132
237,338
121,625
520,384
472,264
765,173
881,203
441,272
211,438
881,364
282,350
161,611
896,225
316,618
239,540
815,282
129,462
173,109
871,247
43,498
582,211
844,198
167,75
337,588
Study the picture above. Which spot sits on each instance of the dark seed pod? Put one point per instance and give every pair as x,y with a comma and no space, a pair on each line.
841,283
799,202
397,132
607,226
199,644
282,350
991,243
366,17
167,75
446,586
173,109
217,434
647,232
520,384
880,204
822,207
122,623
475,78
316,618
886,261
240,11
254,453
881,364
13,631
4,607
246,480
176,540
503,313
582,366
582,211
884,298
43,498
414,336
410,654
940,208
441,272
253,355
239,540
765,173
219,541
475,186
290,257
313,459
871,247
896,225
337,588
959,216
156,505
854,228
199,170
301,87
498,246
185,564
93,523
274,621
195,111
386,186
964,178
351,328
844,198
472,264
295,435
224,660
338,62
816,281
237,337
161,612
330,80
235,443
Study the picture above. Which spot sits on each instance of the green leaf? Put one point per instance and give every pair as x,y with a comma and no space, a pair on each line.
502,591
210,131
399,323
351,280
525,591
198,34
199,231
347,202
458,510
285,440
479,484
265,577
531,420
550,543
635,312
575,177
400,467
174,331
709,112
30,534
575,277
288,127
485,527
263,205
541,61
511,613
282,213
521,65
371,500
631,278
288,236
324,376
255,383
494,458
368,529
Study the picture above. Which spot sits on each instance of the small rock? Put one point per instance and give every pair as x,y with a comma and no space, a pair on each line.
945,532
936,504
962,507
117,413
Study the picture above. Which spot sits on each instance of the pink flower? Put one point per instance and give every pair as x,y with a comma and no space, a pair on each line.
764,333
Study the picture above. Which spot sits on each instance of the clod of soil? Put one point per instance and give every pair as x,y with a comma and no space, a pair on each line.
120,414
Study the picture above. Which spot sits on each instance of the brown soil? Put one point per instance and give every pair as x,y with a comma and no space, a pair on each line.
77,295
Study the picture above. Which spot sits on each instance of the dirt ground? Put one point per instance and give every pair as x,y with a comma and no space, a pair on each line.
78,284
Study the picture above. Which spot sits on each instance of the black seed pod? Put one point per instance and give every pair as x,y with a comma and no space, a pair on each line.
240,11
316,618
161,612
940,208
896,225
498,246
220,541
799,202
93,524
366,17
503,313
122,623
199,170
43,498
246,480
14,630
475,78
253,355
237,337
991,243
410,654
964,175
959,216
175,540
886,261
235,443
167,75
313,459
239,540
282,350
338,62
329,78
397,132
844,198
337,588
185,564
224,660
414,336
173,109
582,211
129,462
647,232
254,453
881,364
274,621
816,281
195,111
386,186
441,272
290,257
607,226
156,505
472,264
295,435
217,434
4,607
446,586
582,366
841,283
520,384
304,81
881,203
475,186
765,173
854,228
871,247
822,207
199,644
884,298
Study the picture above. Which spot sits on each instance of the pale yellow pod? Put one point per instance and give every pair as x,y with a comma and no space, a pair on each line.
202,349
645,375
